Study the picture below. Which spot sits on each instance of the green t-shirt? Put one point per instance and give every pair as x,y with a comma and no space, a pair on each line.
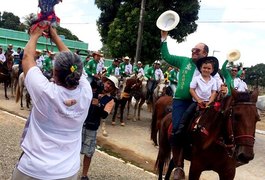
186,70
91,67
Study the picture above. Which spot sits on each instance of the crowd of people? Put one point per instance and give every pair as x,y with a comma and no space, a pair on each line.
68,103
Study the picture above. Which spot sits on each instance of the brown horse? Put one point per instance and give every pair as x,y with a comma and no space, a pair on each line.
5,73
125,95
222,138
162,107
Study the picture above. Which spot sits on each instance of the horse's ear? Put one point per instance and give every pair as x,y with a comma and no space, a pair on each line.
254,95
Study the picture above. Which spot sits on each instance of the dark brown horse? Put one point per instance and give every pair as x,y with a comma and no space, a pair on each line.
162,107
5,73
222,138
125,95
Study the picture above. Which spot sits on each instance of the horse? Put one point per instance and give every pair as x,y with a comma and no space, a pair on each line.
5,77
130,84
19,92
222,138
162,107
14,78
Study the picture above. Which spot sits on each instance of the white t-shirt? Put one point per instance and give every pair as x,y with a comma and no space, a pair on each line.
242,86
52,141
159,75
128,69
100,66
202,88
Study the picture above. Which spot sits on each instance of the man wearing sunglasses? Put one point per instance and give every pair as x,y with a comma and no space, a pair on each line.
182,98
231,77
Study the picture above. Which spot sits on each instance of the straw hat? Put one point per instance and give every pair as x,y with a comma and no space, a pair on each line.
233,55
97,53
168,20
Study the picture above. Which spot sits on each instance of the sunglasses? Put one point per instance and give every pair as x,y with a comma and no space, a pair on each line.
195,50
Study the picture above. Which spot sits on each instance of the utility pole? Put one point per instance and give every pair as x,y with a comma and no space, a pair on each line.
140,32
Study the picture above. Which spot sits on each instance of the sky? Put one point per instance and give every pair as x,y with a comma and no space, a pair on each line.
223,25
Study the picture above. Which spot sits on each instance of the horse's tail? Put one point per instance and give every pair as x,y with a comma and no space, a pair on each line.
154,129
18,92
164,152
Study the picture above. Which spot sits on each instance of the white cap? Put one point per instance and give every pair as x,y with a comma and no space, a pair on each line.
157,62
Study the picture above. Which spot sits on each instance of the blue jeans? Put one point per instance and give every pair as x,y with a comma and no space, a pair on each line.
178,109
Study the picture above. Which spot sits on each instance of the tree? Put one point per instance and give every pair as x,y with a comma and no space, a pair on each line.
255,75
119,20
9,21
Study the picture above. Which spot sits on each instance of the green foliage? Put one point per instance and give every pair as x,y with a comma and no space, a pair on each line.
119,21
256,75
9,21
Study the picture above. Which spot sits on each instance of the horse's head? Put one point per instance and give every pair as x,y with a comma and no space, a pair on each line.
244,119
132,84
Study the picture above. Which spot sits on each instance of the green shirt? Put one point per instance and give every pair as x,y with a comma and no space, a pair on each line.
47,64
110,70
150,73
91,67
186,70
173,76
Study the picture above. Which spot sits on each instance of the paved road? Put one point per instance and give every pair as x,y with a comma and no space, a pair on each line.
133,144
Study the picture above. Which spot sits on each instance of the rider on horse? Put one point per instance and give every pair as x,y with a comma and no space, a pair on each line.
154,75
91,67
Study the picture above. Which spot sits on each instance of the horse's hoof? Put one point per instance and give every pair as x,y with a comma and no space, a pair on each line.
122,124
104,133
7,98
21,108
113,123
179,174
134,119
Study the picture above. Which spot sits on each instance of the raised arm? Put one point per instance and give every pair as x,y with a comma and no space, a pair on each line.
57,40
30,49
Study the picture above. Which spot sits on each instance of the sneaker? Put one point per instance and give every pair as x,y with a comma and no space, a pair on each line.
84,178
113,123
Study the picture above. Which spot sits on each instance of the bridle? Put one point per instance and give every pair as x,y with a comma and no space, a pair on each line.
241,139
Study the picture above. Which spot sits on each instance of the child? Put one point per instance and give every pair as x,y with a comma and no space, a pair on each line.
203,89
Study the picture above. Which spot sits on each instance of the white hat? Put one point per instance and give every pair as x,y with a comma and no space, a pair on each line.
112,79
233,55
168,20
139,62
126,57
157,62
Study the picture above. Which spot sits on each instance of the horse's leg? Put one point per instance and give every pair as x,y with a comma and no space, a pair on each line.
169,170
21,98
5,85
135,108
140,108
179,162
123,104
117,103
129,101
